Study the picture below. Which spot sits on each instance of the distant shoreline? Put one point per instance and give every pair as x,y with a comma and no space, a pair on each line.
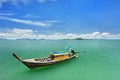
79,39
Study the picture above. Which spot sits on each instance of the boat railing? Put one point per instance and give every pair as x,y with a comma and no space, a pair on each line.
43,59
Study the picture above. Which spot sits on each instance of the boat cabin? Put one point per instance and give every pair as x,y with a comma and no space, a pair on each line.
59,56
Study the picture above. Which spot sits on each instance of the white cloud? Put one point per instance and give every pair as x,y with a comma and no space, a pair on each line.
43,1
25,2
14,2
29,22
21,31
95,33
52,21
31,16
15,33
6,14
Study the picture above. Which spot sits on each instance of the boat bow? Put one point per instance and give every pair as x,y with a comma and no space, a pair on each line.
17,57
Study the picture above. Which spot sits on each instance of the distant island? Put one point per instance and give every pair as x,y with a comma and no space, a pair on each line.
43,39
74,39
78,39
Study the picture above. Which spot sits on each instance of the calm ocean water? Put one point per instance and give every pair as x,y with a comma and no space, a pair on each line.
100,62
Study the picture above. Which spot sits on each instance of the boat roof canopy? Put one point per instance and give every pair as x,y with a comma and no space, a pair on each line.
59,53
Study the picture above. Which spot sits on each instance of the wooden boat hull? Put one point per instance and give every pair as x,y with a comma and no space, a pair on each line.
39,64
34,64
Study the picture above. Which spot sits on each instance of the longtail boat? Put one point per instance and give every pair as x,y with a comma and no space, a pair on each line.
40,62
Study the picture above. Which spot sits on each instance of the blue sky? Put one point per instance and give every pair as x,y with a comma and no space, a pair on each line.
60,16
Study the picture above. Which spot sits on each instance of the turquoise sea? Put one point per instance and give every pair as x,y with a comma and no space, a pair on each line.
100,62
